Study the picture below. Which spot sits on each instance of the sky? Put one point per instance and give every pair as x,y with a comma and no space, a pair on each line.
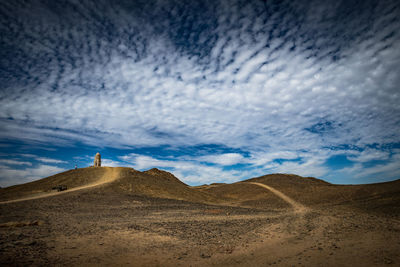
212,91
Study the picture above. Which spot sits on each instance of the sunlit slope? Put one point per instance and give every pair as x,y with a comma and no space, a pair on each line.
160,184
153,183
71,179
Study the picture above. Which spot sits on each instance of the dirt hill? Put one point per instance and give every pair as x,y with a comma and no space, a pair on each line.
315,192
248,195
121,216
153,183
308,191
161,184
71,179
158,183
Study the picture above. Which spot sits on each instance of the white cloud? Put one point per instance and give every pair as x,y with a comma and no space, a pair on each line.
223,159
310,167
49,160
141,99
263,158
379,172
369,155
195,170
189,171
141,162
112,163
258,87
27,155
42,171
10,176
14,162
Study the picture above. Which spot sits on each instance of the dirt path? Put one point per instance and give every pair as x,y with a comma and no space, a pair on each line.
298,208
109,176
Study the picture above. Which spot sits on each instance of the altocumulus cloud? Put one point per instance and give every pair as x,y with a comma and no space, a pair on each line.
306,87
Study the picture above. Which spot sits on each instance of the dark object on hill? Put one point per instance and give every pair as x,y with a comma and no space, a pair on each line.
60,188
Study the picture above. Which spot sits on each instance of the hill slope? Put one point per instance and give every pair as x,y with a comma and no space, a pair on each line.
308,191
314,192
153,183
156,183
120,216
160,184
71,179
246,194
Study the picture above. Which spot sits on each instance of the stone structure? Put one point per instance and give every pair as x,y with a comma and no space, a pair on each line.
97,160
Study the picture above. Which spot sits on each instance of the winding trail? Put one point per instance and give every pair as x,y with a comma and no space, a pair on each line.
109,176
298,208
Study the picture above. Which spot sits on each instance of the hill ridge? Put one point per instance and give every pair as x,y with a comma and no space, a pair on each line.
158,183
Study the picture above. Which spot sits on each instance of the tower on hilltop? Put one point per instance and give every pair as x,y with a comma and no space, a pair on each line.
97,160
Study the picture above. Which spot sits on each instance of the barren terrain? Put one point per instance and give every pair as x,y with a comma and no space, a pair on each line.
119,216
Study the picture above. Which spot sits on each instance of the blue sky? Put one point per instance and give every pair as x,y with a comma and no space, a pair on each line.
213,91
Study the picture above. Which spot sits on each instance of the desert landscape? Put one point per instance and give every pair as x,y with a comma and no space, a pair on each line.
200,133
115,216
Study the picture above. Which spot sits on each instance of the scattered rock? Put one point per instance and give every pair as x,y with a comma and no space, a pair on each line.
204,256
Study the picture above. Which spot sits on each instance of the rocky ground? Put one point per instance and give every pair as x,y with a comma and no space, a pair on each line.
90,228
105,226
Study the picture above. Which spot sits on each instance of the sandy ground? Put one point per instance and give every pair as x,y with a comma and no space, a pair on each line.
91,226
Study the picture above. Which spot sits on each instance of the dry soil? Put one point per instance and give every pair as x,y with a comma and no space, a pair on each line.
122,217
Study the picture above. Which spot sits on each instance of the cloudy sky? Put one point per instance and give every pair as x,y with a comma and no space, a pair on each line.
213,91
